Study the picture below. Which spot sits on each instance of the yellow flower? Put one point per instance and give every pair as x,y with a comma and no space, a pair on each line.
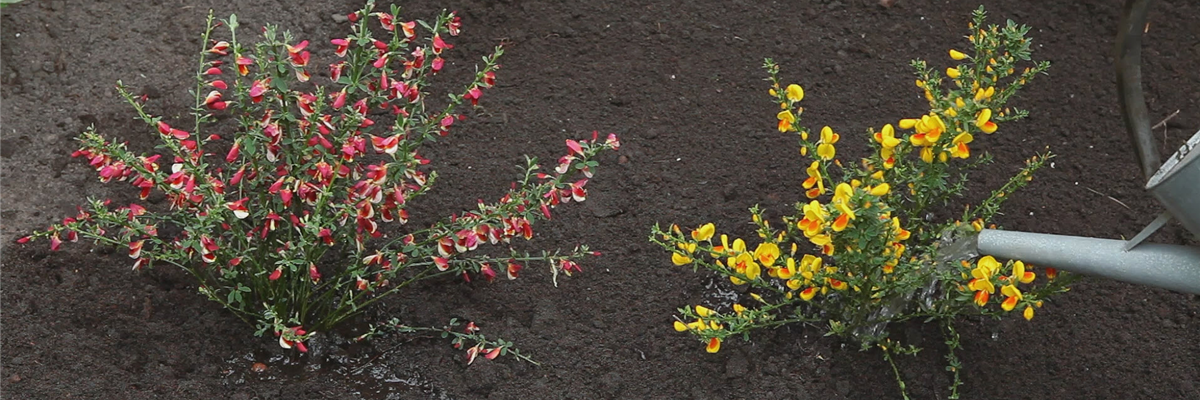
838,285
795,93
983,117
821,240
880,189
714,345
826,150
989,264
814,179
793,284
1018,270
887,137
680,326
908,123
703,312
704,232
982,93
842,193
1028,313
953,73
927,154
959,103
957,55
738,308
808,294
786,119
698,325
680,259
688,247
767,253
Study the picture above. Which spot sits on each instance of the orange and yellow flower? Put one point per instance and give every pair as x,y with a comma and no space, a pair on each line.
815,184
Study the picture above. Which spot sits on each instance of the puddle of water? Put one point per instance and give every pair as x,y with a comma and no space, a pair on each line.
370,374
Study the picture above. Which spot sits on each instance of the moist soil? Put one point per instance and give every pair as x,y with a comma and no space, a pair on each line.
682,84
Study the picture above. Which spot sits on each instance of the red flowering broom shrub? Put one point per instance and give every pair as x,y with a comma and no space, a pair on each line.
282,219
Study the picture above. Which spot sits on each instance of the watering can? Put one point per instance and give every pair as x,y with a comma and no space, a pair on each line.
1174,183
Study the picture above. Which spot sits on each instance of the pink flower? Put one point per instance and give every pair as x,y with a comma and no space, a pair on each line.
513,269
342,46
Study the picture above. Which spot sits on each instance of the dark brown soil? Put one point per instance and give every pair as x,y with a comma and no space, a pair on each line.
681,83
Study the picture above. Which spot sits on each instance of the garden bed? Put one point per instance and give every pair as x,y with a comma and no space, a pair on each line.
681,84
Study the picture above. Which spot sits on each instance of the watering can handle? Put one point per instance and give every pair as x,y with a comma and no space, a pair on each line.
1129,84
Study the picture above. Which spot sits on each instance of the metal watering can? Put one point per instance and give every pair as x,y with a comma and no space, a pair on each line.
1175,183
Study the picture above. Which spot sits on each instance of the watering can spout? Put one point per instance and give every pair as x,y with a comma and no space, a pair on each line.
1170,267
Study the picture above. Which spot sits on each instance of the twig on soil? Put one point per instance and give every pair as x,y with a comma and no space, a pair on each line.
1109,197
1163,123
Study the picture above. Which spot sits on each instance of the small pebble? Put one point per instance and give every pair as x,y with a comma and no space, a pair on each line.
14,379
258,367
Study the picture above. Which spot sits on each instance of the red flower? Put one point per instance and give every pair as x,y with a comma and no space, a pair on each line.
243,65
276,274
233,152
313,273
474,94
141,262
135,249
335,71
612,141
442,263
574,147
258,89
387,20
409,28
239,208
55,242
439,44
213,99
438,62
342,46
493,353
472,353
219,85
455,25
221,48
488,273
513,269
577,191
213,71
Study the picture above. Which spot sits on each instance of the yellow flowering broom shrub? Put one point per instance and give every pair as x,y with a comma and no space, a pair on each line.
863,250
